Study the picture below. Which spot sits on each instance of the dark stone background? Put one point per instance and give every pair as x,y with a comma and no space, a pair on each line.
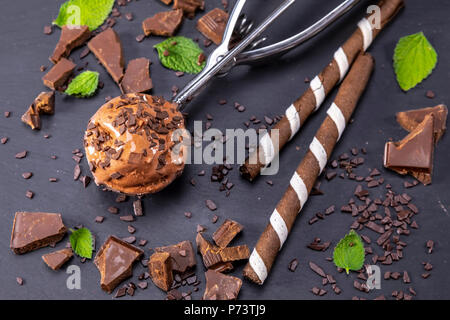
264,90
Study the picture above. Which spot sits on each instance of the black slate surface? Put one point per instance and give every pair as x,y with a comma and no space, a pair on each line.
264,90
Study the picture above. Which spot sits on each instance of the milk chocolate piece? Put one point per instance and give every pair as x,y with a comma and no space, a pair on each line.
182,256
163,23
160,268
71,37
44,103
34,230
57,259
58,74
107,47
189,7
223,267
414,154
410,119
226,232
212,25
137,76
221,287
166,1
209,252
115,261
234,253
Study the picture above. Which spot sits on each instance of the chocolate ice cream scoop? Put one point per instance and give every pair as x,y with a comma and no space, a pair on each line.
131,144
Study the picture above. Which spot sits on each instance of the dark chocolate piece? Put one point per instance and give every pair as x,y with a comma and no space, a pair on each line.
160,268
163,23
71,37
226,232
34,230
56,260
107,47
189,7
115,261
57,76
414,154
212,26
409,120
221,287
43,104
182,256
137,76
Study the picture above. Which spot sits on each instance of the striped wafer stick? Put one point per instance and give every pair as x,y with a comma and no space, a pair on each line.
301,183
298,112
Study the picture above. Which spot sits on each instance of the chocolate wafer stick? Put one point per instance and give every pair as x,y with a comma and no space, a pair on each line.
298,112
301,183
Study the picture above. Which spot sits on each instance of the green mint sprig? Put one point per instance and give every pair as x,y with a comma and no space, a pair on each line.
83,85
349,253
81,242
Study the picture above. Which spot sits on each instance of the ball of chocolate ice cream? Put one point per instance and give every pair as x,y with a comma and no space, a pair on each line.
131,146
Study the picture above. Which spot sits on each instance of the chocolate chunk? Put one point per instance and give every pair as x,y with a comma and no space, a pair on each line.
57,76
34,230
160,268
48,30
226,232
163,23
229,254
293,265
430,246
210,205
71,37
115,260
137,76
375,227
189,7
107,47
314,267
410,119
210,253
57,259
212,25
137,207
414,154
43,104
180,262
220,286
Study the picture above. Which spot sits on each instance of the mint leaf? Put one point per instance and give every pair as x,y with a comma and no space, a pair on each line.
180,54
91,13
349,252
414,59
81,242
83,85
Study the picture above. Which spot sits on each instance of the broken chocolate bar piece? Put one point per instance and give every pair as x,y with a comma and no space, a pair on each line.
57,259
71,37
107,47
137,76
410,119
209,252
189,7
163,23
160,268
58,74
34,230
221,287
223,267
182,256
414,154
44,103
234,253
226,232
212,25
115,261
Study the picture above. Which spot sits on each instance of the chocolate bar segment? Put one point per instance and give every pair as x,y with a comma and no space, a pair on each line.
209,252
226,232
44,103
234,253
221,287
34,230
212,25
189,7
160,268
71,37
413,154
58,74
55,260
137,76
107,47
163,23
410,119
182,256
115,261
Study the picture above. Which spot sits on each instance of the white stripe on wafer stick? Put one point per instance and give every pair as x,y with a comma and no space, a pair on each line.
342,62
299,187
267,146
294,120
319,152
278,224
366,30
258,265
318,90
338,118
